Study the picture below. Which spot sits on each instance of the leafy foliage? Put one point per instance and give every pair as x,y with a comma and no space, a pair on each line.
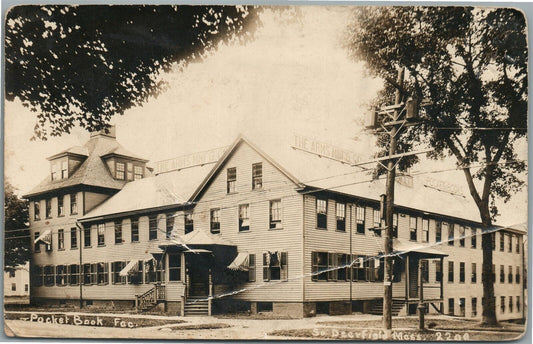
471,63
17,240
80,65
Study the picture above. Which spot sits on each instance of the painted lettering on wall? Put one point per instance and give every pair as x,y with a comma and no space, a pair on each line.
189,160
325,149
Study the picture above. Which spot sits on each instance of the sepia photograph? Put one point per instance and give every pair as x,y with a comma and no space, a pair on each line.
253,172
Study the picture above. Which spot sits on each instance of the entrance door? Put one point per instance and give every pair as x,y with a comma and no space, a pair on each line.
198,266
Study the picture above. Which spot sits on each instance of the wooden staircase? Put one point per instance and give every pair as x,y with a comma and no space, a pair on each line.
150,298
377,307
198,306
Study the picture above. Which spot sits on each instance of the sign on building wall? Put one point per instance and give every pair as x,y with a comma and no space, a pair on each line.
325,150
189,160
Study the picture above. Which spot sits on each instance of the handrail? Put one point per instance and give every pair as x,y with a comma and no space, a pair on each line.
151,297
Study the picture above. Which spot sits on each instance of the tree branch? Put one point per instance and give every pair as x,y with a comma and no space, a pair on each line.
467,172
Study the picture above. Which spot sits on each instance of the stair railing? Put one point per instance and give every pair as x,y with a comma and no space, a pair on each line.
150,297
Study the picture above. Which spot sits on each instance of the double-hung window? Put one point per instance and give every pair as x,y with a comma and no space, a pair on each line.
174,267
425,230
275,266
101,234
120,170
64,169
118,232
257,176
73,203
87,237
138,173
135,229
438,231
170,220
61,275
450,234
36,210
152,227
474,273
461,272
360,219
502,241
215,220
244,217
275,214
60,239
102,273
462,236
116,267
231,179
73,237
412,228
48,208
321,213
473,238
60,207
450,271
377,221
319,266
510,242
73,274
340,210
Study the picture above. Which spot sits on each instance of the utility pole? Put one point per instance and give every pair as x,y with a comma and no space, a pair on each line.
391,176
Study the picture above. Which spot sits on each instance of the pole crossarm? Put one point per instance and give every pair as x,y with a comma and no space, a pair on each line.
392,157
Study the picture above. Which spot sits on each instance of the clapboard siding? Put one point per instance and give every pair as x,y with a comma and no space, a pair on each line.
260,238
335,241
110,252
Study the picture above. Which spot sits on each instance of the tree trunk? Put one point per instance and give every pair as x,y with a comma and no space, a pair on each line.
489,301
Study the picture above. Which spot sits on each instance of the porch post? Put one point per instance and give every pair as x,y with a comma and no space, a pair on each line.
210,298
442,280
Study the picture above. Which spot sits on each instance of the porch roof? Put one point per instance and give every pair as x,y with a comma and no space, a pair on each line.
198,238
406,247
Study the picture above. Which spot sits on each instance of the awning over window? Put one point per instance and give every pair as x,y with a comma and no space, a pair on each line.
131,267
240,263
45,237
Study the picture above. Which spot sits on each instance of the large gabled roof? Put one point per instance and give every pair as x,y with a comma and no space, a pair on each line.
92,171
320,173
305,170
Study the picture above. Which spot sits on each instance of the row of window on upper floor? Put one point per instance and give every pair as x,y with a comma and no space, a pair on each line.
275,222
378,224
61,209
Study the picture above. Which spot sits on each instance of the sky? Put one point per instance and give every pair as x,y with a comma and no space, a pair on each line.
294,78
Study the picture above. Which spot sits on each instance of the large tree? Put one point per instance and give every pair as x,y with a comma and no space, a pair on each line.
16,234
80,65
471,63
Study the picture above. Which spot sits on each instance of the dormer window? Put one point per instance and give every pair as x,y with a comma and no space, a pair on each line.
55,171
60,169
120,170
64,169
138,173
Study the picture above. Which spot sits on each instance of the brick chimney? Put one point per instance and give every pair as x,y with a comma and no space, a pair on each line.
111,132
